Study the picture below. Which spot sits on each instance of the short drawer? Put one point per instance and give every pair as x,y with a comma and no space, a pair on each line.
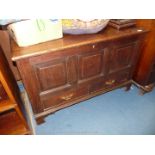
3,94
110,81
117,78
58,98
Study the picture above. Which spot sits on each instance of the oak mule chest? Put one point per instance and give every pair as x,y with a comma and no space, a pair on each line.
60,73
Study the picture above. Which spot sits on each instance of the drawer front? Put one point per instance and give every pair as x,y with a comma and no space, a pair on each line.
110,81
117,78
65,96
3,94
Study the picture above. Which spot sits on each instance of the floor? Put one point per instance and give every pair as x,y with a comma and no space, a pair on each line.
114,113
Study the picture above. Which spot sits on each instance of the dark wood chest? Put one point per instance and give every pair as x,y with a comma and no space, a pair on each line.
60,73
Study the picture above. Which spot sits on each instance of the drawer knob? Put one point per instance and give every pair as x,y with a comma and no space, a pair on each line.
68,97
93,46
110,82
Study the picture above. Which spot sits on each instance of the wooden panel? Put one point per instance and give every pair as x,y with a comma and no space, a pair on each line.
51,74
121,57
90,65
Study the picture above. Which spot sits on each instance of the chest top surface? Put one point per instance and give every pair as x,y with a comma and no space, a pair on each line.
71,41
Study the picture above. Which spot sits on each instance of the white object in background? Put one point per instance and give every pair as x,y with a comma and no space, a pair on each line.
31,32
